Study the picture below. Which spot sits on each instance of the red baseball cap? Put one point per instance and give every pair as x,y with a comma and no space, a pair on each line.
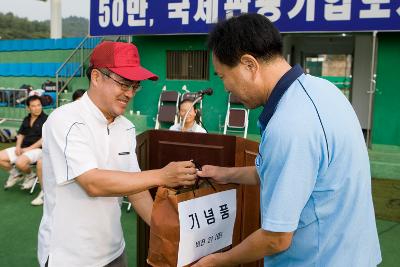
122,59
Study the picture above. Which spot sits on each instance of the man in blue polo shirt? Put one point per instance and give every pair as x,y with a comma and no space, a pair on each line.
312,168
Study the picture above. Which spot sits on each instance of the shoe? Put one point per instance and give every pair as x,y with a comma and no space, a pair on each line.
14,177
29,181
14,171
38,201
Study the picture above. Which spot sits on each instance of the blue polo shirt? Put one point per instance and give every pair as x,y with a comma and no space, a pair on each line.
315,177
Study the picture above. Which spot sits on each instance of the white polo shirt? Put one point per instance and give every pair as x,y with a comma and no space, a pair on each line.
76,229
195,128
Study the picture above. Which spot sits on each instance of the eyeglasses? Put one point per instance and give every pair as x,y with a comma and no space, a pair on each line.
135,87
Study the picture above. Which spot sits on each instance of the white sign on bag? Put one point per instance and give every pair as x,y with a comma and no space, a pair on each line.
206,225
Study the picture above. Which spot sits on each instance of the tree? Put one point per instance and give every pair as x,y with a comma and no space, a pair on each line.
12,27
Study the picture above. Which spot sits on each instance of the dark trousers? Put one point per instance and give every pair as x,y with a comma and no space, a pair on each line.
121,261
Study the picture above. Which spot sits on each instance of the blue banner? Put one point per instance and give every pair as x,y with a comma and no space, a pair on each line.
144,17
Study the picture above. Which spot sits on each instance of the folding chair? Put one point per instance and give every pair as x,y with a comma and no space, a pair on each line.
237,117
167,108
126,201
34,185
33,168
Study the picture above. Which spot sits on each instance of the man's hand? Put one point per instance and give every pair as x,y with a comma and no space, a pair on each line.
178,173
213,260
18,151
225,175
218,174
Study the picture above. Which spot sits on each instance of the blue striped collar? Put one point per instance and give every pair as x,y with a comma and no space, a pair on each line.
279,90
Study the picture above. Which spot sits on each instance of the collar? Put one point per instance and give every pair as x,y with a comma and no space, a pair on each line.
94,110
279,90
38,117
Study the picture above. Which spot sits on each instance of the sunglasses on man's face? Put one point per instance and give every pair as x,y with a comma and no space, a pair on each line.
124,87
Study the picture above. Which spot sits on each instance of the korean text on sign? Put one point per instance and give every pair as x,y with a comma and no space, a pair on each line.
206,225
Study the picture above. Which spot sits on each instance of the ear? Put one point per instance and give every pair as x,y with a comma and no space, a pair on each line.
250,63
95,76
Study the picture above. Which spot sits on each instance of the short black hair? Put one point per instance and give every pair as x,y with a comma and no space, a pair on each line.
77,94
33,98
184,101
252,34
89,73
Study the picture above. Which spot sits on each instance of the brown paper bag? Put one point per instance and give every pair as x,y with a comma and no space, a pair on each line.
165,229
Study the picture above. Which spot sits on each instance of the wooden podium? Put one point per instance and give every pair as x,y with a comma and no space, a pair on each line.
156,148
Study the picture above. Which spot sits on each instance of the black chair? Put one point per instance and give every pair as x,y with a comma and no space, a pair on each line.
167,108
237,117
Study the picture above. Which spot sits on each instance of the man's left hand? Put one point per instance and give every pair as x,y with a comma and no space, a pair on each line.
213,260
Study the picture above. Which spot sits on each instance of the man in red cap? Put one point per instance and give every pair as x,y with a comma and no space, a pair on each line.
89,163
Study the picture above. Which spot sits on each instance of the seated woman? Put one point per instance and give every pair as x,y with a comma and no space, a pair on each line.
190,123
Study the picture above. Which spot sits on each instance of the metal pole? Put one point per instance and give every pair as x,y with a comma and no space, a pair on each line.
57,92
372,87
82,61
55,19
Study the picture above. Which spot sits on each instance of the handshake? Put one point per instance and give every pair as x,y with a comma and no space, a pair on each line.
186,173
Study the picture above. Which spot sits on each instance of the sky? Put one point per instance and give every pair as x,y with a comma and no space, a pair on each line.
38,10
